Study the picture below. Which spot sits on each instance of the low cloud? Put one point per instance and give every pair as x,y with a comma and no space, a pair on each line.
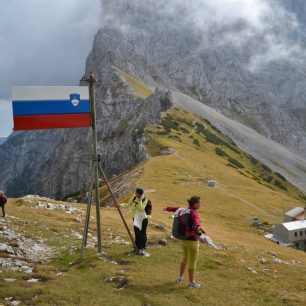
266,24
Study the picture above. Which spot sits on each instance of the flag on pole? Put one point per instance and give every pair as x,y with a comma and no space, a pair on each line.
50,107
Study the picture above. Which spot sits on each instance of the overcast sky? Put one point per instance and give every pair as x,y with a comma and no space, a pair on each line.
43,42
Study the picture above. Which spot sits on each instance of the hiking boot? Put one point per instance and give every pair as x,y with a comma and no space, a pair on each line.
180,280
194,285
144,253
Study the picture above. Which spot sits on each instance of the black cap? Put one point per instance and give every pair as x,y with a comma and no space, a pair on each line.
140,190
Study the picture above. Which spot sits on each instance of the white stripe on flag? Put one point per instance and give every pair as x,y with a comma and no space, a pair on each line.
33,93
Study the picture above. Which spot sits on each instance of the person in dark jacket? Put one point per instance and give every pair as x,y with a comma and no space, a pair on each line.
3,201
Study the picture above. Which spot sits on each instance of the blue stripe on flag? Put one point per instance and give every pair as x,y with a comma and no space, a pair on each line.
49,107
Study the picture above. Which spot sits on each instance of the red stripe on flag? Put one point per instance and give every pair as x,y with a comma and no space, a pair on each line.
44,122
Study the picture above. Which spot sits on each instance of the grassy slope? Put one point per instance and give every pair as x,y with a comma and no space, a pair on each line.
226,214
139,89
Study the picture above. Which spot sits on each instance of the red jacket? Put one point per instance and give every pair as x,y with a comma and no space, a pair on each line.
194,216
3,199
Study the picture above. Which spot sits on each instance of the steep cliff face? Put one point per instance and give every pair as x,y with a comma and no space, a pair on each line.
56,162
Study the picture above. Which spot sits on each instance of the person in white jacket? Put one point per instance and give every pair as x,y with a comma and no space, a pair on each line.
138,204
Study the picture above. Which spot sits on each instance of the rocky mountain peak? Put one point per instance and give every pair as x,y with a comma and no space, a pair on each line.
248,69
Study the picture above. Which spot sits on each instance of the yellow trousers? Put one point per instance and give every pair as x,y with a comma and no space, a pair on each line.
190,253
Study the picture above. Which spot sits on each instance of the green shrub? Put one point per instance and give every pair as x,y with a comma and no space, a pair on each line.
235,162
279,184
184,130
280,176
231,165
169,117
231,147
242,173
200,127
162,133
196,142
212,138
180,120
175,137
220,152
170,123
266,168
268,179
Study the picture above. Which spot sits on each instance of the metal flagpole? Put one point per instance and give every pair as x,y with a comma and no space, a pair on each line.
91,82
118,207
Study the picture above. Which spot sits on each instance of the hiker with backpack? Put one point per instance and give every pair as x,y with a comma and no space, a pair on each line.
141,209
3,201
187,227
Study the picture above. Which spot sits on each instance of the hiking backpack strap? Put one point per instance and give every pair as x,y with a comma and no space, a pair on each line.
188,233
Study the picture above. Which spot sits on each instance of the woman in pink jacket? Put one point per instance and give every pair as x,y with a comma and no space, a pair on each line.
190,243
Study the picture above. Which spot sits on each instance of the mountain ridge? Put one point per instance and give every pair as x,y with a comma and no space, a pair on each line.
139,59
210,65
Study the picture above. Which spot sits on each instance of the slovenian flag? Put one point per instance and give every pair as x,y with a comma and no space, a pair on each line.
50,107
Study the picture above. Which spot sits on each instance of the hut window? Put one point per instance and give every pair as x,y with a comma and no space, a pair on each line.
295,234
301,233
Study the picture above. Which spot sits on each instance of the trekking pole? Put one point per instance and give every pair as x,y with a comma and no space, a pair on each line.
118,207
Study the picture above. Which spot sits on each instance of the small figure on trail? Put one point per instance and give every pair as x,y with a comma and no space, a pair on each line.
3,201
141,208
187,227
